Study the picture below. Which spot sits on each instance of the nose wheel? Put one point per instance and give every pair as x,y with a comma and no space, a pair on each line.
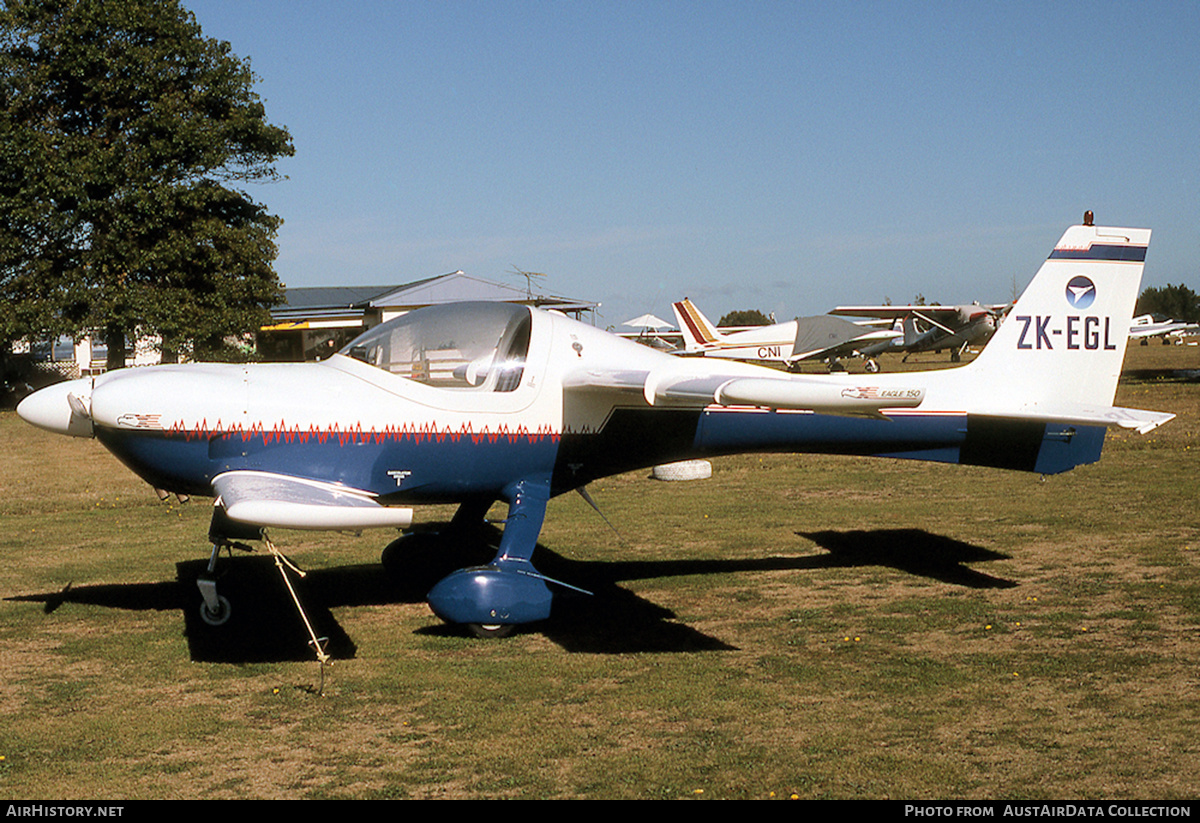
215,608
218,613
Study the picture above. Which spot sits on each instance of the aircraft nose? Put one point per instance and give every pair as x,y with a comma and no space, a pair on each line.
63,408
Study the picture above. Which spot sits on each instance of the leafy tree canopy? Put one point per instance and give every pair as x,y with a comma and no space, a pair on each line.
1172,302
745,317
124,135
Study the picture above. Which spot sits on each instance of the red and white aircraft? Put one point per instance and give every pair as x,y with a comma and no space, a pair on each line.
821,338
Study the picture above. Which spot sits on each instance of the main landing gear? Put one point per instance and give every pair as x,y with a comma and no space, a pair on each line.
491,630
492,599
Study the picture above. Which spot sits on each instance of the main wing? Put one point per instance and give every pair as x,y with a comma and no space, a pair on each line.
896,312
947,318
282,501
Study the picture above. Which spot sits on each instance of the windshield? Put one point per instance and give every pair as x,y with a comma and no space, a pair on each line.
458,346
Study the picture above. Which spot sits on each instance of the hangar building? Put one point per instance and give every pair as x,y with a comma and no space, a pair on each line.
315,322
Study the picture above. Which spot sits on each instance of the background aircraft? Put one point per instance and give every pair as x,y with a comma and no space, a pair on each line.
934,328
482,402
1146,326
821,338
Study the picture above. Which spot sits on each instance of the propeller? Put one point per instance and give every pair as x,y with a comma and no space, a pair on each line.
64,408
80,406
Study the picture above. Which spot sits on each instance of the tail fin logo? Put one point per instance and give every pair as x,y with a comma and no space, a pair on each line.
1081,292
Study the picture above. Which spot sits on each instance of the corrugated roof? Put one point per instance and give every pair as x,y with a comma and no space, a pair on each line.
332,297
320,301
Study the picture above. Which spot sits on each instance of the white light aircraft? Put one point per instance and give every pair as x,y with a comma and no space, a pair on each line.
1146,326
482,402
821,338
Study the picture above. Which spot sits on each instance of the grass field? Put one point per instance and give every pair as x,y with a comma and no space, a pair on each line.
802,626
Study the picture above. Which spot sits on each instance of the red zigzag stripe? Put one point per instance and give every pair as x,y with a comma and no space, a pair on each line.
418,433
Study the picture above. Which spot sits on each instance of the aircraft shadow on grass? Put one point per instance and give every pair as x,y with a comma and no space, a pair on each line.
265,625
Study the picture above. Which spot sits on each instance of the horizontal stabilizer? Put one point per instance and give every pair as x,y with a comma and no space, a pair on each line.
1081,414
282,501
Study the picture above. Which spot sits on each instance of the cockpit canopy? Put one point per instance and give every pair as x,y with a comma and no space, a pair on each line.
480,346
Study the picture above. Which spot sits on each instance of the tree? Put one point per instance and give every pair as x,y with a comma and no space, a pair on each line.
1173,302
745,317
124,134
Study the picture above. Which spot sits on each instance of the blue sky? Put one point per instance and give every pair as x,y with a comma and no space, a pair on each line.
784,156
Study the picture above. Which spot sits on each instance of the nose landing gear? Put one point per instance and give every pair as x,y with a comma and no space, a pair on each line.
215,608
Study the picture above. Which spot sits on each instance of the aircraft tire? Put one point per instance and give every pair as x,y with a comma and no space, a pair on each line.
486,631
872,367
683,470
395,554
221,616
423,558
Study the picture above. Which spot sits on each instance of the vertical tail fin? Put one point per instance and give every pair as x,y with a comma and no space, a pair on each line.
1039,397
909,326
1064,340
698,332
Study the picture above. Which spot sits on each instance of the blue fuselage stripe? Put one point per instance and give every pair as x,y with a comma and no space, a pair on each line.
400,468
406,468
403,467
724,432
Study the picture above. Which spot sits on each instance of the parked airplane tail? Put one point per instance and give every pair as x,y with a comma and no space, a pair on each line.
1059,353
911,333
698,332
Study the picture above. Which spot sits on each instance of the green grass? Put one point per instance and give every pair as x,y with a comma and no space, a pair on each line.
817,626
